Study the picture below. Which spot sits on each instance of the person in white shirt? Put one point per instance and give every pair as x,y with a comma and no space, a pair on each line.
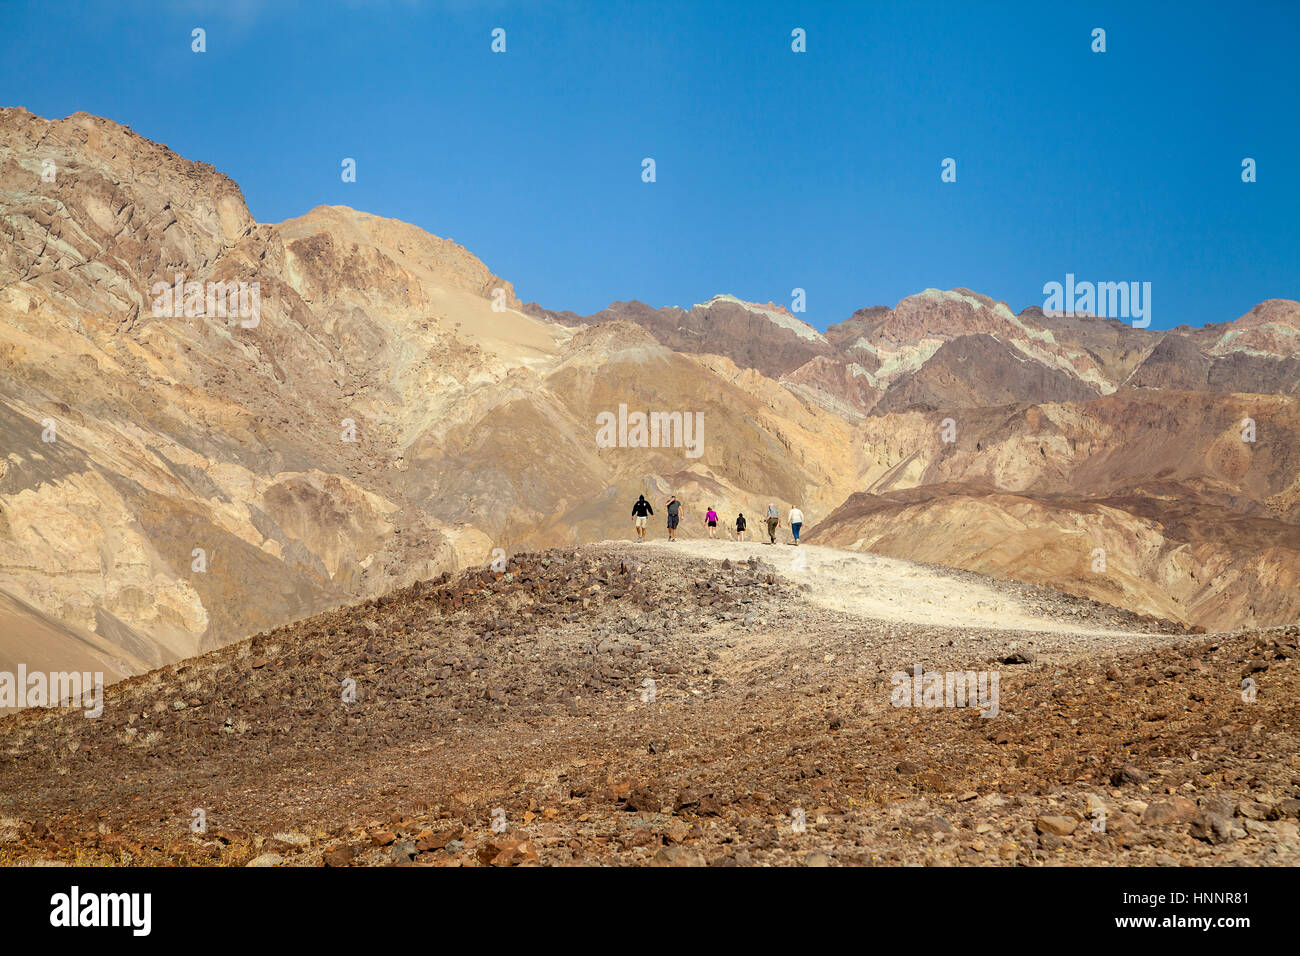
796,522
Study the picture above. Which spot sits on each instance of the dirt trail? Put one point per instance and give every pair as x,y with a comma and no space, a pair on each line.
880,588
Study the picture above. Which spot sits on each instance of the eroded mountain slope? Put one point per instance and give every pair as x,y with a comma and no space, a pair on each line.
173,478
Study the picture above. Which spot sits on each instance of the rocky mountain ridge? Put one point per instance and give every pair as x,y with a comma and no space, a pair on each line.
391,410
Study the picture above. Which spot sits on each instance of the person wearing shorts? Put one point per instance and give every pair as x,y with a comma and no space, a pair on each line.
711,519
640,512
740,527
674,517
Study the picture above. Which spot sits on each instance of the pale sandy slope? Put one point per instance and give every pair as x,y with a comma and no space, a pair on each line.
888,589
43,644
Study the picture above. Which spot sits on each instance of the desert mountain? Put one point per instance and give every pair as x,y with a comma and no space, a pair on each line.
174,479
1193,522
326,409
960,349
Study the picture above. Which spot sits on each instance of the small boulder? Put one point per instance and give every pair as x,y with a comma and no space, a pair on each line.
340,855
1056,825
1172,810
677,856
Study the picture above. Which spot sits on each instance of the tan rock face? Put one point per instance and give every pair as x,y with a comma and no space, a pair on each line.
181,479
377,406
1195,524
389,412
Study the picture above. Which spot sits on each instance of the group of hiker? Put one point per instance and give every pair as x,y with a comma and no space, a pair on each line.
642,511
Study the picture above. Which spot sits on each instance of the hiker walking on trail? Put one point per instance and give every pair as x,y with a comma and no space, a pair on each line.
674,516
773,522
740,527
711,519
640,511
796,522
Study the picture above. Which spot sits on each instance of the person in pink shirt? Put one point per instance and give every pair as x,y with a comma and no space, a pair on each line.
711,519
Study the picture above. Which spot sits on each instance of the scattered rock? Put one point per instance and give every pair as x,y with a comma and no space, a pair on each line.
1129,774
1172,810
505,852
1060,826
437,841
1215,828
1020,657
340,855
931,826
677,856
643,800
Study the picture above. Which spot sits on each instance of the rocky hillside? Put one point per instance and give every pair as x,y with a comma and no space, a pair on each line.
640,704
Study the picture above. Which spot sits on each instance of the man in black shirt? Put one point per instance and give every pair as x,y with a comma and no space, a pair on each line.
640,511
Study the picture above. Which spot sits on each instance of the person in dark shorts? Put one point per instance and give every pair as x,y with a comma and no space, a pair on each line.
740,527
711,519
640,512
674,510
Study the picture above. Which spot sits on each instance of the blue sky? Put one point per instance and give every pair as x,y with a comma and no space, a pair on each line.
775,169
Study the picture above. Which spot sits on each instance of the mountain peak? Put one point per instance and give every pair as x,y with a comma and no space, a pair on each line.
778,314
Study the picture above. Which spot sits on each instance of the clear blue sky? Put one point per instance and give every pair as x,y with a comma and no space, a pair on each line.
776,170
